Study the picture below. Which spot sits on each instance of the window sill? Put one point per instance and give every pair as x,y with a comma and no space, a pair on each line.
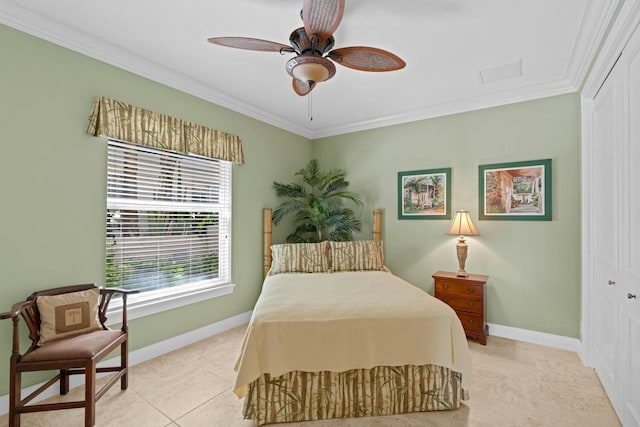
145,305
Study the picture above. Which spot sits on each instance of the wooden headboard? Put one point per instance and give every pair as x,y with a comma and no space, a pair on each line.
266,218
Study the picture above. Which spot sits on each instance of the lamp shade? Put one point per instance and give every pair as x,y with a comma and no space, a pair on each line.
462,225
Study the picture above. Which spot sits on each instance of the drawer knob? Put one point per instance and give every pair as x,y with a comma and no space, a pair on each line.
471,320
611,282
471,304
631,296
471,289
445,286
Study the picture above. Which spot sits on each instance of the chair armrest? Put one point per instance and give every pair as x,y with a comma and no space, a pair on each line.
107,293
14,312
120,291
9,314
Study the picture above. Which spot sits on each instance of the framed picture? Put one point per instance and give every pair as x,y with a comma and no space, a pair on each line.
424,194
515,191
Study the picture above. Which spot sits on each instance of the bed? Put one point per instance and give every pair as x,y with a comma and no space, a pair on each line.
335,334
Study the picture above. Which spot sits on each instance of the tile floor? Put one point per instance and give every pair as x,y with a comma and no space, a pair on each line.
516,384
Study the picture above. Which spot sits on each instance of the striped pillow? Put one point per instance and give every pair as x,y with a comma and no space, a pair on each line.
300,258
357,256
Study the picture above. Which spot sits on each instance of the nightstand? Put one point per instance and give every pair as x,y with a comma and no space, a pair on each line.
467,297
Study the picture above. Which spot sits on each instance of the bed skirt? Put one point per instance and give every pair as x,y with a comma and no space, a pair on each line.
383,390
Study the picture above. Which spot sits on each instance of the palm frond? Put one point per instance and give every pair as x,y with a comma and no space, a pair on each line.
344,230
331,177
311,173
336,184
354,197
285,209
292,190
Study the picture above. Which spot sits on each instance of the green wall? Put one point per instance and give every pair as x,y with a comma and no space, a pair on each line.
534,266
53,191
53,179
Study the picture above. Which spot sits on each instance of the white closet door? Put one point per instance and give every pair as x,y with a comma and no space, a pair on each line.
630,252
606,214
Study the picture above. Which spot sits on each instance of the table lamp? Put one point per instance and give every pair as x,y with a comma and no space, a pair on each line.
462,226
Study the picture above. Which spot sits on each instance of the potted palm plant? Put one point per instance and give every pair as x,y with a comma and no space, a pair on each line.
318,205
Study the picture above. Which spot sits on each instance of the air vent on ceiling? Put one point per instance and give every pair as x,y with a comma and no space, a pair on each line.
500,72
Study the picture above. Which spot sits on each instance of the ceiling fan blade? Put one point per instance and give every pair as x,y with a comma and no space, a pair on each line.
366,59
322,17
250,44
302,88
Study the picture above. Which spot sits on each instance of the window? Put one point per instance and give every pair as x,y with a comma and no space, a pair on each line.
168,226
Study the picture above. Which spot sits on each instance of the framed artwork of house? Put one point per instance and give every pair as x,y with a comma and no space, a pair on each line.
424,194
515,191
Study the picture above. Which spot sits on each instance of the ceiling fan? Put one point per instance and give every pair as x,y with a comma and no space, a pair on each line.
312,45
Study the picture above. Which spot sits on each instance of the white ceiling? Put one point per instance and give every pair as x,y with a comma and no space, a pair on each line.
445,43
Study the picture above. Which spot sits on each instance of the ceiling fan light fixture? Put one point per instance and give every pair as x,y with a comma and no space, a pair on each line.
311,68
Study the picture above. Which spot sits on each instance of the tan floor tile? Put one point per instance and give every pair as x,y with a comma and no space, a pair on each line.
486,411
178,389
225,410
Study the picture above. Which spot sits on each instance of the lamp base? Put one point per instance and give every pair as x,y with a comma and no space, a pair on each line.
461,251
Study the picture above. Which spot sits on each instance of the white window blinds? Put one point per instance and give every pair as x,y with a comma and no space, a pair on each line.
168,219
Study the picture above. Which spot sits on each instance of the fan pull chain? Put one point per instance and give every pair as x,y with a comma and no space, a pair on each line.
310,106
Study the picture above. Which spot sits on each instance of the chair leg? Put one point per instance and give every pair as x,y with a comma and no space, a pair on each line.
15,391
90,394
124,364
64,381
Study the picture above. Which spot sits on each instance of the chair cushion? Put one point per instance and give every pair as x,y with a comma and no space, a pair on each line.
84,346
68,314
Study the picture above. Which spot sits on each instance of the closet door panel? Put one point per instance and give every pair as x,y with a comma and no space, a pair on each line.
631,158
606,212
630,253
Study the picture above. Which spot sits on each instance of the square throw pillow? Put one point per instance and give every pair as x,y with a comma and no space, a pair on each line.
68,314
357,255
300,258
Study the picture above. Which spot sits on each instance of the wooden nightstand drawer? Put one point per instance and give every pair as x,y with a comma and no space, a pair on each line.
472,323
466,289
466,304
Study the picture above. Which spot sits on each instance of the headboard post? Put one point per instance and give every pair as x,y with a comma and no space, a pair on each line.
377,225
266,226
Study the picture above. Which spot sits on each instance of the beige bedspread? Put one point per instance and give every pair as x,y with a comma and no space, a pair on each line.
348,320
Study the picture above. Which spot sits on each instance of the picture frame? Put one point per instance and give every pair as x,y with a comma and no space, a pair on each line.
515,191
424,194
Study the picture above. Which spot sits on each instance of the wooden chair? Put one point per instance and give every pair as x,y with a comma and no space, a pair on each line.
71,353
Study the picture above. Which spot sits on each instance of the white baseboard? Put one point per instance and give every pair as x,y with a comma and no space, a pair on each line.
533,337
144,354
171,344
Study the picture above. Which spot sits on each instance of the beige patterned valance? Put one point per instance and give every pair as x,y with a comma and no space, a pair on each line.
125,122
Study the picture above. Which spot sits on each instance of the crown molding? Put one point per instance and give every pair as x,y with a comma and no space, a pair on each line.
496,100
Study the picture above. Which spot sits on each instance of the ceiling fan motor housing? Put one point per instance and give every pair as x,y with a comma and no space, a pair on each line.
302,43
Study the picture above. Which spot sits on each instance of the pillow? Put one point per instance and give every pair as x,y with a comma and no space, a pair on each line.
68,314
356,256
300,258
